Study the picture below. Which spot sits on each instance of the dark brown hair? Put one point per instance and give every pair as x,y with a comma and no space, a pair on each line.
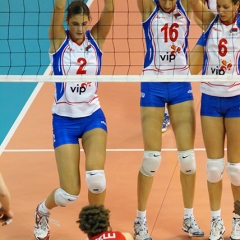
93,219
78,7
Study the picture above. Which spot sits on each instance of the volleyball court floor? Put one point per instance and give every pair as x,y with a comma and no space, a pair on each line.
29,168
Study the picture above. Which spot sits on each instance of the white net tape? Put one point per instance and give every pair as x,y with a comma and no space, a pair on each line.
119,78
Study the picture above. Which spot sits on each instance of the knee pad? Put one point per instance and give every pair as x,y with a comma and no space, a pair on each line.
63,198
96,181
150,163
233,170
187,161
215,168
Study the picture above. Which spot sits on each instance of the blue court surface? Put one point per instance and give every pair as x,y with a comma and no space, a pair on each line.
23,51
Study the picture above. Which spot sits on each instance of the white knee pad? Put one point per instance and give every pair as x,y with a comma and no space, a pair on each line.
96,181
63,198
233,170
187,161
215,168
150,163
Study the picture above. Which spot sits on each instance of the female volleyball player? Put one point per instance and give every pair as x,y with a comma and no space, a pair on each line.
220,104
166,29
94,220
76,111
6,214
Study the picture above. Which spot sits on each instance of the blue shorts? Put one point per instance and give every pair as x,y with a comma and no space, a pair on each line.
67,130
227,107
156,94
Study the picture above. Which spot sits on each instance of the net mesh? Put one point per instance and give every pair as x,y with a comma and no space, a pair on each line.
24,45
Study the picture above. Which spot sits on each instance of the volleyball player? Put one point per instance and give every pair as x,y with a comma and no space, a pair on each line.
6,214
94,220
220,104
166,27
77,113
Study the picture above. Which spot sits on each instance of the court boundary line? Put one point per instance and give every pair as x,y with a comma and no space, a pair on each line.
22,113
20,117
108,150
27,105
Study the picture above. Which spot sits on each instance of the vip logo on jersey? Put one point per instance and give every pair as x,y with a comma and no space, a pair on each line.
225,66
177,15
80,88
172,55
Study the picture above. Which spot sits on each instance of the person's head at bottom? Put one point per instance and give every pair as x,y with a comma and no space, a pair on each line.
93,220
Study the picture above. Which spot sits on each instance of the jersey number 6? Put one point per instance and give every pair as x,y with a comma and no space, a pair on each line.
222,48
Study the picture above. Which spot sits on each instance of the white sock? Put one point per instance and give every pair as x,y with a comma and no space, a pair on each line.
42,208
188,212
141,214
216,214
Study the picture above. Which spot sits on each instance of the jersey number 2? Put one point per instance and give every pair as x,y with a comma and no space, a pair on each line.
83,63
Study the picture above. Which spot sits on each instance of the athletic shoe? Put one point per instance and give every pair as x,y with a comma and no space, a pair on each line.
41,228
235,235
217,229
166,122
140,229
190,225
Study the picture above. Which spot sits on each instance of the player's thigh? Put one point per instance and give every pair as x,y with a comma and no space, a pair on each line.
94,144
67,158
151,120
213,132
233,139
182,118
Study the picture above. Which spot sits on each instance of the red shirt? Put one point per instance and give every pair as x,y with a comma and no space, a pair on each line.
110,235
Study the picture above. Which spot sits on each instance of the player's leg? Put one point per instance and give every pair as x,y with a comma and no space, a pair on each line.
94,144
182,117
151,119
66,132
232,126
213,131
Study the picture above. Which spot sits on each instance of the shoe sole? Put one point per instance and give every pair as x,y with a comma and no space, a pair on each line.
192,235
221,238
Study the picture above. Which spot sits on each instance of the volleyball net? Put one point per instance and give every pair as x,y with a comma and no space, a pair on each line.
24,45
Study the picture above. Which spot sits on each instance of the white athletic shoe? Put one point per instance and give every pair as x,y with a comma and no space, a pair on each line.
235,235
140,229
41,228
217,229
166,122
190,225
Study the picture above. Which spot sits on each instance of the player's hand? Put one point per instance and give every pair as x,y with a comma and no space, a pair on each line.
5,217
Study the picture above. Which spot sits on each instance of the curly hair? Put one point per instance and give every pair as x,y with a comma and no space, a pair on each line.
93,219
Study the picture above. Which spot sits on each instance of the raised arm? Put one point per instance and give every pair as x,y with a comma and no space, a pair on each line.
202,13
101,29
145,7
56,30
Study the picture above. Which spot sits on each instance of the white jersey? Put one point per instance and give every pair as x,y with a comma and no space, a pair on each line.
166,41
212,5
221,57
74,99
